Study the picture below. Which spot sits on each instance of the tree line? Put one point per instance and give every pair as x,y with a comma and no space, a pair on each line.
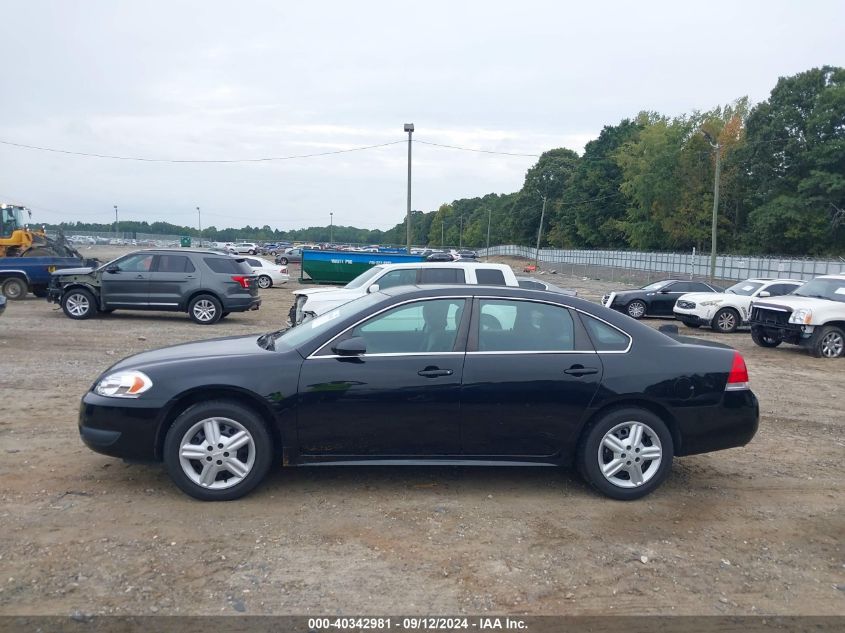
646,183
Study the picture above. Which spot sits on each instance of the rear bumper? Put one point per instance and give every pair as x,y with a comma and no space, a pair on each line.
241,304
729,425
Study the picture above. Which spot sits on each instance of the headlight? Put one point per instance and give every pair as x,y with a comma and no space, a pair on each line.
711,302
123,384
802,315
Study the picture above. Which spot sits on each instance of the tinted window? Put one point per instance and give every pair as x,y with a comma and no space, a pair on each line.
253,262
140,263
490,277
442,276
404,277
696,286
532,285
228,265
776,290
424,326
604,337
515,326
174,264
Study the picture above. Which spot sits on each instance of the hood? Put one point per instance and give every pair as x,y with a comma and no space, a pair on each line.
338,294
789,301
698,297
214,348
73,271
315,291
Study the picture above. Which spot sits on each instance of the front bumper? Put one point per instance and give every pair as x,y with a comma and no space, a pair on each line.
120,427
788,332
691,318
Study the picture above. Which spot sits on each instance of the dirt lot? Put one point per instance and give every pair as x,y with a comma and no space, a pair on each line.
744,531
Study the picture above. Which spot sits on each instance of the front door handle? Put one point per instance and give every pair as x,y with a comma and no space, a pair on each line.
580,370
139,276
190,276
434,372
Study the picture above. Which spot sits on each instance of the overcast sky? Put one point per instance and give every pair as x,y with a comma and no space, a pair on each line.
237,80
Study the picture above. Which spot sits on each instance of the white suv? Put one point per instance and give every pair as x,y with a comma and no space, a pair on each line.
813,317
317,301
244,248
726,311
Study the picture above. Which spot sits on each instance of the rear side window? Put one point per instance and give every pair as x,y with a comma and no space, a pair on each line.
490,277
524,326
228,265
699,287
442,276
174,264
605,338
532,285
253,262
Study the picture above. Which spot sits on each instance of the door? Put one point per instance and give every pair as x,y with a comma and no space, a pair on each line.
400,398
172,280
126,282
529,375
663,301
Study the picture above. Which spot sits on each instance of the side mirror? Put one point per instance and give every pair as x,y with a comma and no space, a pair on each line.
114,268
355,346
373,288
764,293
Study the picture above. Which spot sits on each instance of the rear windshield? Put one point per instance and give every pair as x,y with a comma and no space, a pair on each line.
228,265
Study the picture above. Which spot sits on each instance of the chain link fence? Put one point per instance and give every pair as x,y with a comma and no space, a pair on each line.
638,266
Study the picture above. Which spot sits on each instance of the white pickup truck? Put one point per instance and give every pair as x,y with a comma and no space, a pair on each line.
317,301
813,316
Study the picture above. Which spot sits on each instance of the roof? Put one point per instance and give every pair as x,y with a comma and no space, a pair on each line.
453,264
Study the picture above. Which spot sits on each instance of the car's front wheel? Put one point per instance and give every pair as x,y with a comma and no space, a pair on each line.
636,309
205,310
264,282
626,453
726,321
79,304
760,338
218,450
828,342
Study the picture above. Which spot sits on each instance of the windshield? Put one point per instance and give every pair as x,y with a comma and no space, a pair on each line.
745,288
364,277
657,285
832,289
316,327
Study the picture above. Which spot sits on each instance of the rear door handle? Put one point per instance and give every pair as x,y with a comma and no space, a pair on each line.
140,277
434,372
190,277
580,370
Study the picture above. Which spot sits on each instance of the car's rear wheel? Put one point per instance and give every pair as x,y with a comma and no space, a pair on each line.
14,288
251,251
828,342
79,304
636,309
218,450
283,261
205,310
264,282
760,338
726,321
626,454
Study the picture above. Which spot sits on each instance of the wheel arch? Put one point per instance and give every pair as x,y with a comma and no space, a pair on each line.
78,285
197,293
242,396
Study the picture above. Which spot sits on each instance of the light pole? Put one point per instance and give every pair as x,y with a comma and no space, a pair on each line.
489,220
461,234
115,221
539,234
442,225
331,228
409,128
718,149
199,222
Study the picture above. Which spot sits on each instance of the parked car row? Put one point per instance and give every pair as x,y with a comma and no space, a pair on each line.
806,313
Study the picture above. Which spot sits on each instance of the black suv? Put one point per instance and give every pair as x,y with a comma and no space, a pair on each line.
203,283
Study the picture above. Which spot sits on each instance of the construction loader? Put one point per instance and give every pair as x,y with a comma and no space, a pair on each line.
18,240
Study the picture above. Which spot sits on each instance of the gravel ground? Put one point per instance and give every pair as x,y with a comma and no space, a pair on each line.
755,530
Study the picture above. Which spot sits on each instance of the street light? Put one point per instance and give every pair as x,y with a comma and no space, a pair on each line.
115,221
718,149
539,234
461,234
331,228
199,221
409,128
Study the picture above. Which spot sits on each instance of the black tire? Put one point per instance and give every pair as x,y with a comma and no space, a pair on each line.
39,291
283,261
14,288
827,342
636,309
79,304
273,253
251,251
264,282
205,310
260,450
726,321
588,457
761,339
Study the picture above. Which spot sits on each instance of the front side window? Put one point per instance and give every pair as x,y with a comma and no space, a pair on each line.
420,327
524,326
404,277
139,263
777,290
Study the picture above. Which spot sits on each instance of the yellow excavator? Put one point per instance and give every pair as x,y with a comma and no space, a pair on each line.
18,240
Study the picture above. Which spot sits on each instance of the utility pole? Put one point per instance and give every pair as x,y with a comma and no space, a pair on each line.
489,219
442,231
115,221
331,228
461,234
718,149
409,128
539,234
199,222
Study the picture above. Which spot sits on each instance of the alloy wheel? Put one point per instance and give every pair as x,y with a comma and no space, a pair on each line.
630,454
204,310
726,321
264,282
77,304
217,453
832,345
636,309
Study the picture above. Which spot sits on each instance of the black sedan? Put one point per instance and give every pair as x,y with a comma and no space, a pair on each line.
437,375
655,299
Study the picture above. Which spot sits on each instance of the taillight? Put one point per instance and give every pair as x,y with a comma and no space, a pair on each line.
738,376
283,270
243,281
